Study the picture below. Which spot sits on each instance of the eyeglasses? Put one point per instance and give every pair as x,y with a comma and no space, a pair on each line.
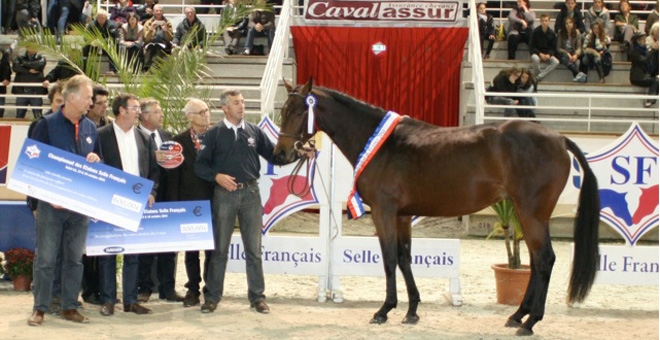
202,112
134,108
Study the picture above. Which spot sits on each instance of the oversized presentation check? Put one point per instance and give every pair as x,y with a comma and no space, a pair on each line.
165,227
93,189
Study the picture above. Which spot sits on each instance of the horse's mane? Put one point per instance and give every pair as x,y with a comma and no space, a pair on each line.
353,103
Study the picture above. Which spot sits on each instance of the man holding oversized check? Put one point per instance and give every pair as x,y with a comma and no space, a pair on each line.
69,130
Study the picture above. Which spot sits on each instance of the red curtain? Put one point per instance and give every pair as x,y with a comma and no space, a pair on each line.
417,75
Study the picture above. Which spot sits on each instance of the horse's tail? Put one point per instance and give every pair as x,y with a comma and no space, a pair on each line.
585,233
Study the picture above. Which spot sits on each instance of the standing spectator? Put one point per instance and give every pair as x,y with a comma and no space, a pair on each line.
62,12
189,24
640,75
569,49
505,81
108,31
9,16
5,79
184,185
521,21
598,12
146,10
29,68
158,35
542,48
262,23
625,24
128,149
486,29
120,11
234,32
595,49
131,39
60,229
230,159
569,10
151,122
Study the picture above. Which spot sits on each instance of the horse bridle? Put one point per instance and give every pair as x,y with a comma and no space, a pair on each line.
298,146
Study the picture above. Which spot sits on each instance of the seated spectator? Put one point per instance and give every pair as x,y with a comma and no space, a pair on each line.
108,31
651,19
625,25
120,11
27,15
542,48
262,23
652,46
146,10
233,33
640,75
569,49
486,29
63,12
569,10
29,68
527,84
596,51
598,12
206,10
131,40
5,79
505,81
521,21
158,35
190,23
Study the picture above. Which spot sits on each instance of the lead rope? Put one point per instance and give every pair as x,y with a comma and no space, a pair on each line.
294,173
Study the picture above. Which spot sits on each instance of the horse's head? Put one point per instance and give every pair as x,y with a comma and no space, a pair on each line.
293,128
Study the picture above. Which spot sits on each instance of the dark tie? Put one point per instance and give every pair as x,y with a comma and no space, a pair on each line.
153,136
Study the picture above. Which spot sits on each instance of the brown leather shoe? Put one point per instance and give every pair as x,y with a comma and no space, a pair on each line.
137,309
174,297
73,315
36,319
108,309
209,307
261,307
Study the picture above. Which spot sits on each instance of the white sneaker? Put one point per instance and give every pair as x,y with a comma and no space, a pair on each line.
583,77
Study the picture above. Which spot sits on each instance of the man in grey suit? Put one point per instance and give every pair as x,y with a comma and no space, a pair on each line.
125,147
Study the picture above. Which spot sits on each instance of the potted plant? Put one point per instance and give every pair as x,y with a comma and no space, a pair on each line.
511,278
18,265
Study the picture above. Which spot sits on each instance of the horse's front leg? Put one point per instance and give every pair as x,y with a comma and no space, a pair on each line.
404,241
385,226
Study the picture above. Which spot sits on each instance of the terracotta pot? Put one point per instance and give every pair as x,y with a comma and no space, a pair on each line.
22,283
510,284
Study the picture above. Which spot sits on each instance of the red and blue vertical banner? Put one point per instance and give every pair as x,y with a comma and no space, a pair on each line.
5,137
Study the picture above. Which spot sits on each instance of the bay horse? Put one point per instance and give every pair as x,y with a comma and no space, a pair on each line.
426,170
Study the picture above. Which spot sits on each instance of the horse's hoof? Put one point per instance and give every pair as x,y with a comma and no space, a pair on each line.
524,332
512,323
378,319
410,319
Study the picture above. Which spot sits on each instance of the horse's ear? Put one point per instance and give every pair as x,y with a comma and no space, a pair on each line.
288,85
308,87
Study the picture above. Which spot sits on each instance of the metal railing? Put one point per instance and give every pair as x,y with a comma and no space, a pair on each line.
273,71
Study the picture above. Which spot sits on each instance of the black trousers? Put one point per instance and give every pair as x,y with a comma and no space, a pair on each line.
165,273
194,271
90,279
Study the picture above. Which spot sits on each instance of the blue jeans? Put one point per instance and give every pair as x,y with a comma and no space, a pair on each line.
108,279
65,230
50,15
35,102
246,205
270,35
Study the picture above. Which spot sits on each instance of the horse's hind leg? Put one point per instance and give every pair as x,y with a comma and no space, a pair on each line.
542,259
385,222
404,247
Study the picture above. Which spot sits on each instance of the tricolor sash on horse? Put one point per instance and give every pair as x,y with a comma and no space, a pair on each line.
385,128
